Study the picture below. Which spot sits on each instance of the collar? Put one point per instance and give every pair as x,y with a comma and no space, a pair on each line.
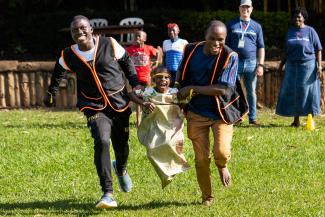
241,20
175,39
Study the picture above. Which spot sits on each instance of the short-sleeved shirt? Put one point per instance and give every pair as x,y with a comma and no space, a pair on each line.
302,43
201,67
88,56
253,38
141,57
173,53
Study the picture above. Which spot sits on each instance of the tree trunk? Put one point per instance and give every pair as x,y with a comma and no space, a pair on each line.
278,5
265,6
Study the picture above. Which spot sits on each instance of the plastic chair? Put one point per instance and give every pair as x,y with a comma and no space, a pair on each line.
130,21
98,22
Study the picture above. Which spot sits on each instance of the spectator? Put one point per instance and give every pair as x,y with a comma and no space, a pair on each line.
173,49
245,36
141,55
300,89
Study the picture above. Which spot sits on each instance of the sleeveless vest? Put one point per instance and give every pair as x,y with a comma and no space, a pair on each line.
100,83
232,106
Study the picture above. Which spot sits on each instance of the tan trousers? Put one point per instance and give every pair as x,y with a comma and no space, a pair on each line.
198,130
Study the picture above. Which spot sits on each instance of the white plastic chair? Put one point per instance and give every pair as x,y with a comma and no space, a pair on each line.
130,21
98,22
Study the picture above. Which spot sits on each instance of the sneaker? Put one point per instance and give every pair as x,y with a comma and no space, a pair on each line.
254,124
124,181
107,201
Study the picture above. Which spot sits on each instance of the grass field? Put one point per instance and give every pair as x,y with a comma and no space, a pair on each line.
46,169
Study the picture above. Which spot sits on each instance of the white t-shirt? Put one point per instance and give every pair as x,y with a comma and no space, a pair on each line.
88,55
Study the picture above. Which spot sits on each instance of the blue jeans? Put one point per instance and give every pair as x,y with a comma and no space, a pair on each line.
247,72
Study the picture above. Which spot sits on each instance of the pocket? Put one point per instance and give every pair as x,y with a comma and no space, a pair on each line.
119,99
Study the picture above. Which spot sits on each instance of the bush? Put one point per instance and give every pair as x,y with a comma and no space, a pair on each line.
38,36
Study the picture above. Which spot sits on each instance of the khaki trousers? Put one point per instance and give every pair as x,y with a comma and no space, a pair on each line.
198,129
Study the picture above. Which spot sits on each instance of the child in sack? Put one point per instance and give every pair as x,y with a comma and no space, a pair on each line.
161,128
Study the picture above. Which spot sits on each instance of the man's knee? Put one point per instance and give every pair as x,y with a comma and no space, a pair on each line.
222,158
201,162
101,141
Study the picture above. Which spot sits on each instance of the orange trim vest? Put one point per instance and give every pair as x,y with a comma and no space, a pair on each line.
232,106
100,83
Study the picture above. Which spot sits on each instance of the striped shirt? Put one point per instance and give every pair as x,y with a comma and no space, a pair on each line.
173,53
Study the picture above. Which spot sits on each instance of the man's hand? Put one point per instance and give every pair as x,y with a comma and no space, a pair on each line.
184,92
259,70
319,71
138,87
49,99
149,105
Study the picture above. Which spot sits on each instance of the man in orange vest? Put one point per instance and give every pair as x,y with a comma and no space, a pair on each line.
101,65
208,72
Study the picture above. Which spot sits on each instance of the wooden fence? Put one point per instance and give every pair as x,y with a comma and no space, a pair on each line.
23,84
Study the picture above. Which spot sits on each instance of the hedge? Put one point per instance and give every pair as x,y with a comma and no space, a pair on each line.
38,36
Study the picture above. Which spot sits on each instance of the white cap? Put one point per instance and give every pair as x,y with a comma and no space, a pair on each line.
246,2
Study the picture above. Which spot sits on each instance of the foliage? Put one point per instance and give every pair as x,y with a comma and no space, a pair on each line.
38,34
46,169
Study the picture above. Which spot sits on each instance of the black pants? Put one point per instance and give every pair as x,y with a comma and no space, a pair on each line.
105,125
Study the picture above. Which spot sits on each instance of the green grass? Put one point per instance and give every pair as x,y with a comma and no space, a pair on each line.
46,169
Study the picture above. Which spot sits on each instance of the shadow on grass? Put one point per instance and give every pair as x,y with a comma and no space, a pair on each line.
68,125
154,205
76,207
47,207
263,126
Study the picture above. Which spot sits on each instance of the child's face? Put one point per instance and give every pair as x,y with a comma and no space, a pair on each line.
162,83
173,32
140,38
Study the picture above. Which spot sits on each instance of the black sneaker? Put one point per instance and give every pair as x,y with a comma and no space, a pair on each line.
254,124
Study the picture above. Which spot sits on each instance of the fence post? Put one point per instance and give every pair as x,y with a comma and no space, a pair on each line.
2,91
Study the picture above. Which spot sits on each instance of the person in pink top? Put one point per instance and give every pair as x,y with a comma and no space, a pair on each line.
141,54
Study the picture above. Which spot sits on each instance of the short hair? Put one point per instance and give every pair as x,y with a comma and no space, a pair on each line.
160,70
300,10
79,17
143,32
215,23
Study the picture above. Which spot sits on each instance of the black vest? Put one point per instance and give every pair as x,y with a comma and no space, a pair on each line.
100,83
232,106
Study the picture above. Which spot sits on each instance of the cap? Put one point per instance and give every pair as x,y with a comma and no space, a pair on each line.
246,2
172,25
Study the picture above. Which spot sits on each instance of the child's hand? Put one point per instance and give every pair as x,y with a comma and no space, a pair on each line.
179,147
149,105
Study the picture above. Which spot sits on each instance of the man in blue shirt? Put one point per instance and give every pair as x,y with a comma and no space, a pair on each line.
245,36
208,72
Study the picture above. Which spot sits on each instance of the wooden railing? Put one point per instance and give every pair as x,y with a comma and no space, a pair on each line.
23,84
